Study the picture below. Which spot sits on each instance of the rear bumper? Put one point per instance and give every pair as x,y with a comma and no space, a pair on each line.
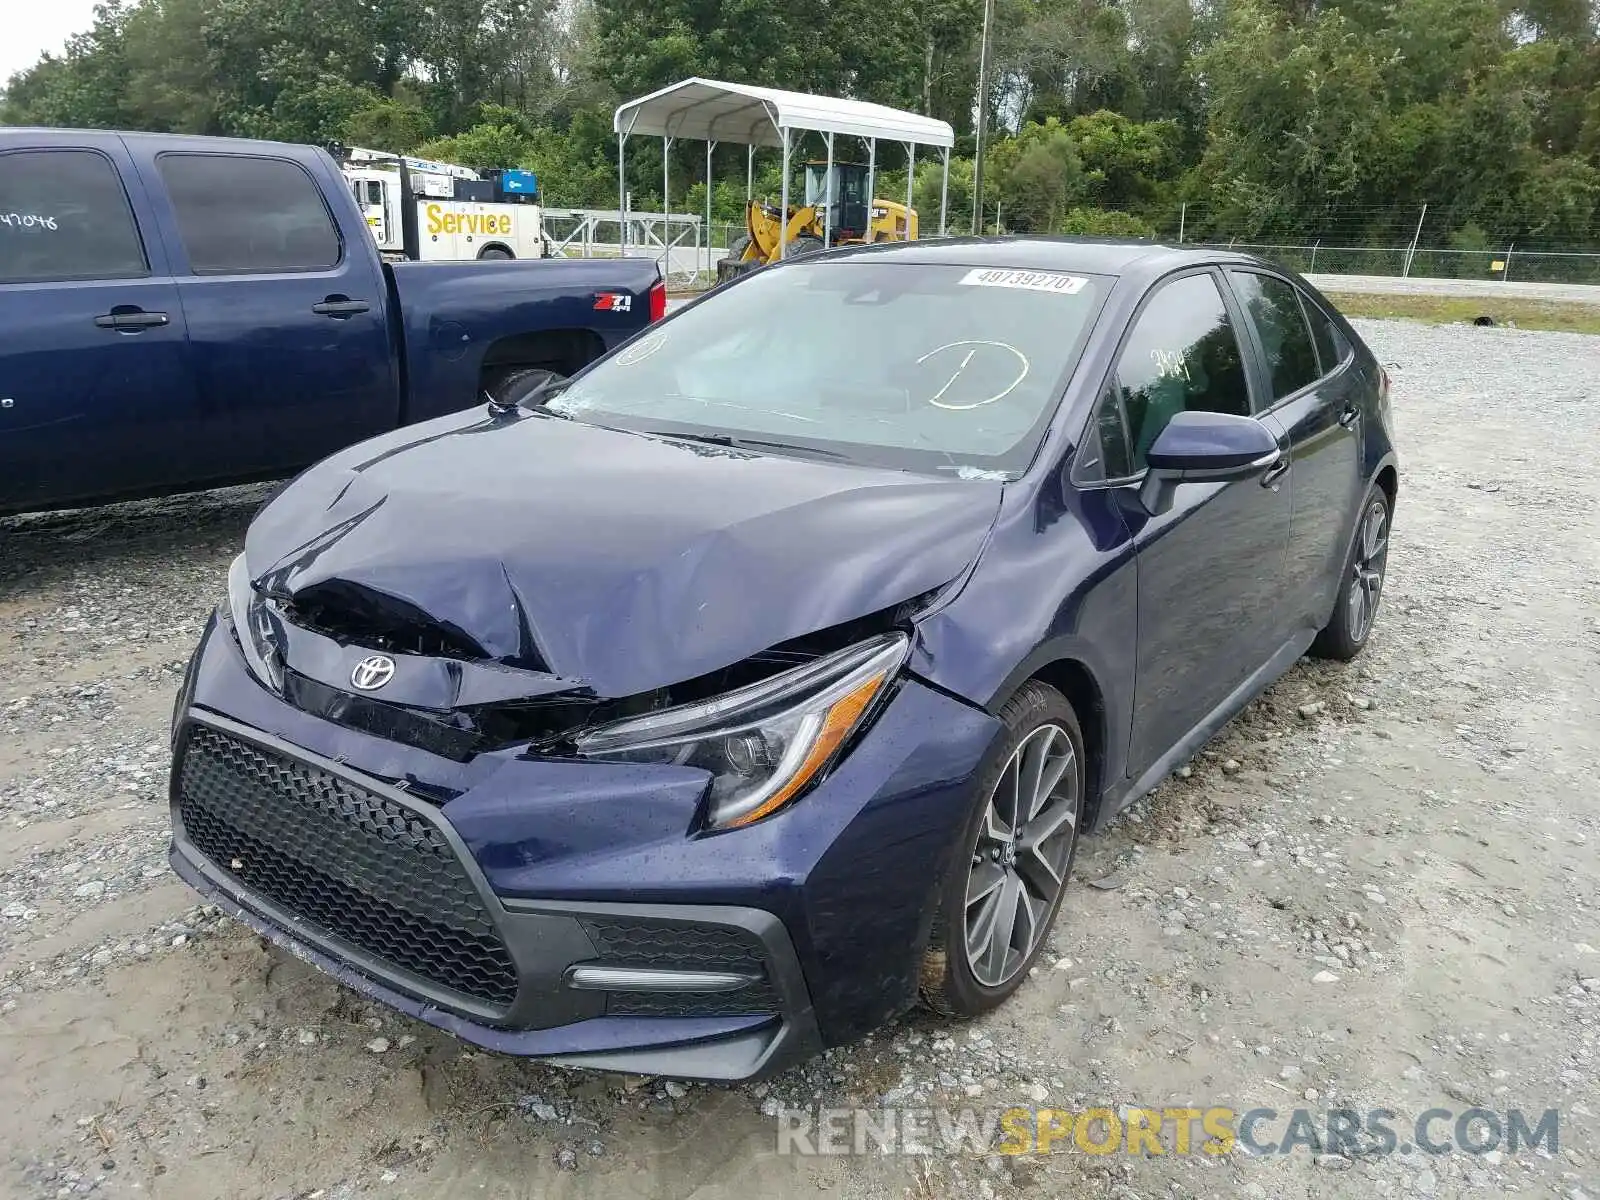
552,1014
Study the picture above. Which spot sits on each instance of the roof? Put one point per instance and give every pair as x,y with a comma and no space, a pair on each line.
1094,256
709,110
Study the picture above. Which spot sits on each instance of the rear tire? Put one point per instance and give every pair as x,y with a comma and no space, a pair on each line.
804,244
1361,586
732,263
517,383
494,254
1009,870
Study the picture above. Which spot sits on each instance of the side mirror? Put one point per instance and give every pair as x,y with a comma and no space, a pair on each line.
1204,446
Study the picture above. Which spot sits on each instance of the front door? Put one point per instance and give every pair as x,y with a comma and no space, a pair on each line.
1210,567
96,390
287,322
1315,396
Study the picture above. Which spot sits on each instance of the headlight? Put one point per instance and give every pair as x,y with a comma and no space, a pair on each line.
252,625
766,743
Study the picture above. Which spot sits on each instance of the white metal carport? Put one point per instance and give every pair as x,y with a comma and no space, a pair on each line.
711,111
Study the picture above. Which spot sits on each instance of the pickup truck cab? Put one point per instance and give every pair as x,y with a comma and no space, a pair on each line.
185,312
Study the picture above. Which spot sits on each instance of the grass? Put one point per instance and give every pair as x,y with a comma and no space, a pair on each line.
1441,310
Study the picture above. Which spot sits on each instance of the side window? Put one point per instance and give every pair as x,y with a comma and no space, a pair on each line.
1332,348
64,215
1274,308
1181,354
1114,452
238,214
1104,453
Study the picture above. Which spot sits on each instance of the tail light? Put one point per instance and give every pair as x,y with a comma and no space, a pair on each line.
658,300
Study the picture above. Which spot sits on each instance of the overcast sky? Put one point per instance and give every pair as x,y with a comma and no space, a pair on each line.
33,26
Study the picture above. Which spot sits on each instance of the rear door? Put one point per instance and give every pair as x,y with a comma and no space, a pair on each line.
286,320
96,392
1314,392
1210,567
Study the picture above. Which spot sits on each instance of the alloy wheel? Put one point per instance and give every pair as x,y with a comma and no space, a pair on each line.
1020,860
1367,564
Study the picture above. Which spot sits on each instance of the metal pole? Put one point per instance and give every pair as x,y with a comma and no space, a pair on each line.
1506,273
911,178
622,194
872,183
666,206
666,182
1314,246
783,203
710,146
944,191
983,117
1411,253
749,173
827,198
1183,220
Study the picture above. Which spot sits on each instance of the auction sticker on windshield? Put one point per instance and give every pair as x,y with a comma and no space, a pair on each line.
1033,281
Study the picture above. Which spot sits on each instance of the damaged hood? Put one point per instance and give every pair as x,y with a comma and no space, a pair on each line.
618,562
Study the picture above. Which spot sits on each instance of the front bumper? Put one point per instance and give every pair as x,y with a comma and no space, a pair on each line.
529,1008
481,897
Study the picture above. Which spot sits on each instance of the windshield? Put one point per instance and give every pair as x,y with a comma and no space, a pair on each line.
912,366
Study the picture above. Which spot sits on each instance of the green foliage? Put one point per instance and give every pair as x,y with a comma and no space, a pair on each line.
1099,222
1271,119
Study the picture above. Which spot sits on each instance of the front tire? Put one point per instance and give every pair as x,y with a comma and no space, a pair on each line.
1361,586
1011,866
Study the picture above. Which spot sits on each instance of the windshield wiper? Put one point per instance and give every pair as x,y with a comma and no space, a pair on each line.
740,443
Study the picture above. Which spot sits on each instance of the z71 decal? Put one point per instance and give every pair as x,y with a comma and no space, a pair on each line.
613,302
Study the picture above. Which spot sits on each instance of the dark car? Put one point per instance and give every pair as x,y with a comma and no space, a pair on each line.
711,707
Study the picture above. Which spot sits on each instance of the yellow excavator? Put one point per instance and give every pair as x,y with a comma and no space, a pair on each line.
841,196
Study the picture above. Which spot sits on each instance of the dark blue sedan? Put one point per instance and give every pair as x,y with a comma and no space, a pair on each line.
712,706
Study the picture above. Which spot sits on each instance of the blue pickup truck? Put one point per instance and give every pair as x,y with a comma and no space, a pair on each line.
185,312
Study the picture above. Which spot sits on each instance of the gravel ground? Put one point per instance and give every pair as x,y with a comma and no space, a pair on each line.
1375,889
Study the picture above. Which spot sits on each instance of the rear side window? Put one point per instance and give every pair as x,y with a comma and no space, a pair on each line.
1332,347
242,214
1182,354
1274,308
64,215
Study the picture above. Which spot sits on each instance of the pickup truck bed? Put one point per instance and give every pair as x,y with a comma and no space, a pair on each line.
183,312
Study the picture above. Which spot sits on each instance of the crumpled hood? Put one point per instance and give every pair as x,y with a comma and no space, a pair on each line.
620,562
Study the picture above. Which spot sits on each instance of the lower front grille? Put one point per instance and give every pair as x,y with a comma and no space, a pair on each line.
354,864
624,943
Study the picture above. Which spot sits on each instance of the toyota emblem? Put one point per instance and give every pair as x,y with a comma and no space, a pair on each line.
372,672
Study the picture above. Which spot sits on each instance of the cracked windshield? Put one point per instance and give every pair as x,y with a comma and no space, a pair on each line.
918,367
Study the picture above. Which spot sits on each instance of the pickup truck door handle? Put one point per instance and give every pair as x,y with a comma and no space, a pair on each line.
339,307
131,320
1275,472
1348,415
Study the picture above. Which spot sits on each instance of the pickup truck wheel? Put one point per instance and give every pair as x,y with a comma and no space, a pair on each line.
494,252
516,384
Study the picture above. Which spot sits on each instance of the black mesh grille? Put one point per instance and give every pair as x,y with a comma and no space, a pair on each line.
357,865
687,947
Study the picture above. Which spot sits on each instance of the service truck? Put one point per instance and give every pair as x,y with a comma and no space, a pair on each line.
431,211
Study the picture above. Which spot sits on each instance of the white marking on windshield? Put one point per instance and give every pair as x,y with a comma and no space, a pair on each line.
937,399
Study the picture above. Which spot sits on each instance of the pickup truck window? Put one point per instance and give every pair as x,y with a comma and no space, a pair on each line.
239,214
64,215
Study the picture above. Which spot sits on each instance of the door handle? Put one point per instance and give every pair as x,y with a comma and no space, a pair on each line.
337,308
131,322
1275,472
1348,415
